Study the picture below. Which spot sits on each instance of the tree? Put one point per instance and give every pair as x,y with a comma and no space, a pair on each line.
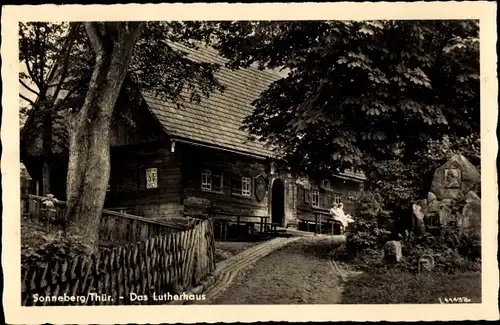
399,184
45,53
359,92
89,165
140,53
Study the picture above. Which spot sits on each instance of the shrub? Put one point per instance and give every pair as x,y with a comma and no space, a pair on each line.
365,234
367,231
41,247
451,251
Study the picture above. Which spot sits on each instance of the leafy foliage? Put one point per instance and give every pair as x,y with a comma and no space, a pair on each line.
370,229
41,245
401,183
359,91
450,250
157,66
102,52
365,235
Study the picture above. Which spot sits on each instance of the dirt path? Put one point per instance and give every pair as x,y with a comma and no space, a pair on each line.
299,273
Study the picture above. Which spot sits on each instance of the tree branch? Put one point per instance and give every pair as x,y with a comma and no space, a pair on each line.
73,26
28,100
60,104
37,58
28,87
28,68
95,37
68,44
42,58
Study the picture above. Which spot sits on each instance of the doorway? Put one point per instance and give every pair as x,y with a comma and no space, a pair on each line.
278,202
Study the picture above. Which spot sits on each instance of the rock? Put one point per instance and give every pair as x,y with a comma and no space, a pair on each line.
442,209
418,224
431,197
455,178
453,182
448,202
445,214
434,206
470,220
197,290
471,196
426,263
392,251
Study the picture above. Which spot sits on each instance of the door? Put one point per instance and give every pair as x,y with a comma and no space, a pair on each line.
278,202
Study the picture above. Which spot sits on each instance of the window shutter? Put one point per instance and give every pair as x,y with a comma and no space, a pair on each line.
139,180
300,194
236,184
217,181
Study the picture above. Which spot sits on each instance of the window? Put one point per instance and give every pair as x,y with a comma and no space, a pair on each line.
206,180
151,178
326,184
338,199
216,182
211,181
246,183
307,195
315,198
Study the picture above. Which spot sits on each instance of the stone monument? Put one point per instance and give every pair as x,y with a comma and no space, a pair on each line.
392,251
455,181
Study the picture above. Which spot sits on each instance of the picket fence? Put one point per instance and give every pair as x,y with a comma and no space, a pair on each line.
157,267
115,228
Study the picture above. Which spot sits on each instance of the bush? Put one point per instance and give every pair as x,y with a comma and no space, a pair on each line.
40,246
367,231
451,251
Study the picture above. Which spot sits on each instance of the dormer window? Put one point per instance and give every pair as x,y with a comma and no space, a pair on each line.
325,184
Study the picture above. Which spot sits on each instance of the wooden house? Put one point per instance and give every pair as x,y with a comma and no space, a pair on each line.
171,155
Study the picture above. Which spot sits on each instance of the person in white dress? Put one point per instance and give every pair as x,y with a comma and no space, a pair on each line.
337,212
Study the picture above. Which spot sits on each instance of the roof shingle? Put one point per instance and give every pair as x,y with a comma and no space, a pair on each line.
217,120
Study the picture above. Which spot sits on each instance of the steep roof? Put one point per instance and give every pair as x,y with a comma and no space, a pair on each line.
217,120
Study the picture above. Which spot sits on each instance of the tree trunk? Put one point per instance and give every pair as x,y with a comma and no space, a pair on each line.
89,160
47,150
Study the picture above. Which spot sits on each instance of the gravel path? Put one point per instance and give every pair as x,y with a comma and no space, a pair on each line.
299,273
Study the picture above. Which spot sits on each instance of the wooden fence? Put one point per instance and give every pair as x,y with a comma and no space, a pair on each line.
115,228
152,269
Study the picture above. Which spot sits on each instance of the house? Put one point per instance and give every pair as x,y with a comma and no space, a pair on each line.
169,155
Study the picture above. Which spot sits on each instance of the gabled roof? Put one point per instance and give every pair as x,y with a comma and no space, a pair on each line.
216,120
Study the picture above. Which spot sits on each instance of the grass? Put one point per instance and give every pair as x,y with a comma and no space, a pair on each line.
380,283
400,287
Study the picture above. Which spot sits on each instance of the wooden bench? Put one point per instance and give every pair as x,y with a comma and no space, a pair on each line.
272,228
322,223
226,218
